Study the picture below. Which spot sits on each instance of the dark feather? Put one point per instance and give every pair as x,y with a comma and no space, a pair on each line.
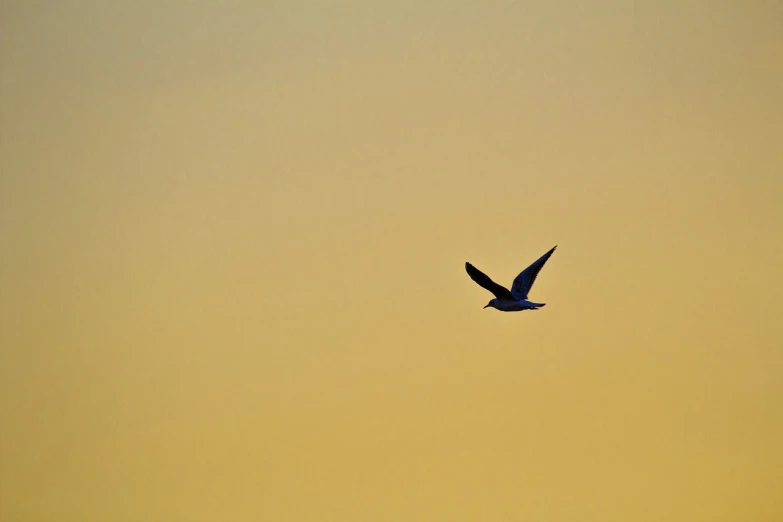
524,281
484,281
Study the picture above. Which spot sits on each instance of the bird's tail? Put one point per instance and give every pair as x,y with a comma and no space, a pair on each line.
536,306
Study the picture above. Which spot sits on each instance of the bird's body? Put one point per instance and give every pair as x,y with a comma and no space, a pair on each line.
513,300
515,306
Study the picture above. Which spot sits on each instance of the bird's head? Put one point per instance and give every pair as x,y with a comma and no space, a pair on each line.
491,304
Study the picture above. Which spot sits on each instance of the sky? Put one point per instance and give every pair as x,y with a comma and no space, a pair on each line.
232,247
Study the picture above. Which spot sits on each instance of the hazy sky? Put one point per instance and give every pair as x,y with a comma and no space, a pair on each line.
232,239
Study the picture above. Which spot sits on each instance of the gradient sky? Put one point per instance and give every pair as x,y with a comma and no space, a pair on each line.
232,238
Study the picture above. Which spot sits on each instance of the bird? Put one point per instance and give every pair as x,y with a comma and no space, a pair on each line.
513,300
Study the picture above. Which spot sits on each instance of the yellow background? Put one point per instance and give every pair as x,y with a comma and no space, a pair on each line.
232,239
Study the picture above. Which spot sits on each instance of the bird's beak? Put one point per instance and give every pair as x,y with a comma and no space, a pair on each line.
487,306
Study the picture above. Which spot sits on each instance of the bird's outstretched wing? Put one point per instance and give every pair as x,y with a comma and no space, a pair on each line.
484,281
524,281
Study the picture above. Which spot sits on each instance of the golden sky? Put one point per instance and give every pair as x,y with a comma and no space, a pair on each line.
232,239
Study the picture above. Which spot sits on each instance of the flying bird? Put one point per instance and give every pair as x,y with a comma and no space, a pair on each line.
515,299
